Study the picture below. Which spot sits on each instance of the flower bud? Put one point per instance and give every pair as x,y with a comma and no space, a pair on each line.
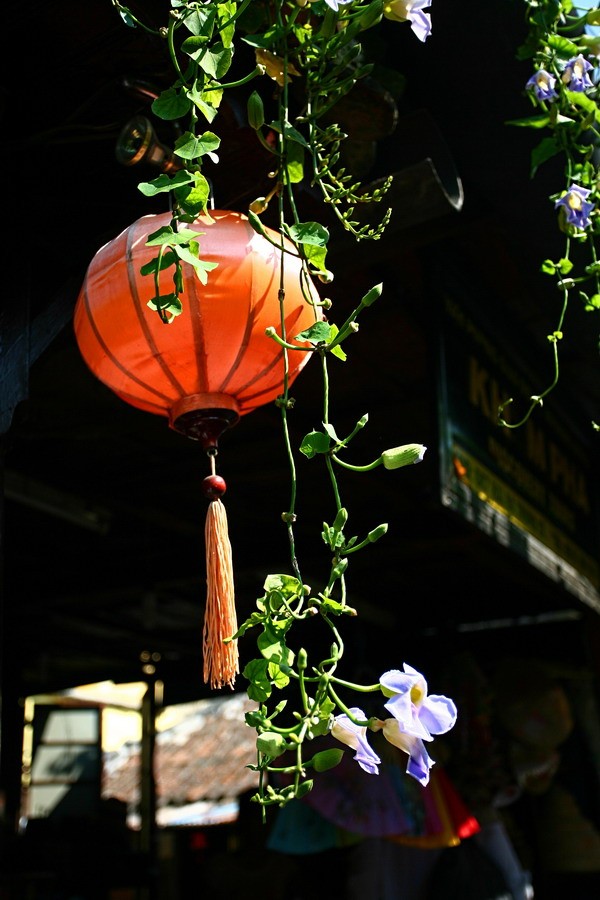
256,111
327,759
258,206
406,455
271,744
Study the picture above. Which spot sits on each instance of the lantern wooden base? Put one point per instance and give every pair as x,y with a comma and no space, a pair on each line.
204,417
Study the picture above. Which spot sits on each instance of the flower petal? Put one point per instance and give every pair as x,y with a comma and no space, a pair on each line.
405,713
419,761
395,682
420,23
354,736
438,714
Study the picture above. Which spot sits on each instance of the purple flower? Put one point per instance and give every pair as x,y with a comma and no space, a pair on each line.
542,84
410,11
417,717
575,74
346,731
576,205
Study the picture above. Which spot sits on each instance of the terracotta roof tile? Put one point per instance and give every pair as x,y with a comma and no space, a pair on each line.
202,755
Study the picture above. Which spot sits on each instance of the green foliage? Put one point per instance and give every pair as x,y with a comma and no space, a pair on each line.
568,121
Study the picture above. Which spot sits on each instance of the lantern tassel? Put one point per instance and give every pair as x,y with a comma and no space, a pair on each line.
221,659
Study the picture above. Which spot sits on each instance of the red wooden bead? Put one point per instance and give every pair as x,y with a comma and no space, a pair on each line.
213,486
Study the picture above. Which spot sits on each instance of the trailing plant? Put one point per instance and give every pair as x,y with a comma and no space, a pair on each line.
307,56
563,89
317,46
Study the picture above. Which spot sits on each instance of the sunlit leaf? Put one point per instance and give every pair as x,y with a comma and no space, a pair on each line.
318,333
315,442
190,146
216,62
164,183
309,233
171,104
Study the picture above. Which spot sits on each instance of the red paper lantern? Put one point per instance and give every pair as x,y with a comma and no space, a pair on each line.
210,365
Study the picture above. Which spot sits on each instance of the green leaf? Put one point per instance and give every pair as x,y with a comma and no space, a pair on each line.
546,149
290,133
255,672
316,256
158,263
200,21
580,99
216,62
194,199
315,442
318,333
530,122
206,101
264,41
256,618
288,585
189,146
337,350
164,183
171,104
278,677
342,515
294,163
195,46
201,266
169,302
167,235
273,648
562,46
227,12
565,266
548,267
312,233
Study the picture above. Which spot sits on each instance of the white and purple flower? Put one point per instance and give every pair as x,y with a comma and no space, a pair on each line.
575,75
576,206
348,732
417,717
410,11
542,84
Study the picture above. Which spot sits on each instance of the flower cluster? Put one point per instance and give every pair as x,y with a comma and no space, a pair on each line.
416,716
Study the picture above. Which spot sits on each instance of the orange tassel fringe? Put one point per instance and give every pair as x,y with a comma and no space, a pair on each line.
221,660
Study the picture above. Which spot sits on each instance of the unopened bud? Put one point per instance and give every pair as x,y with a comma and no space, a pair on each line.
406,455
258,206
